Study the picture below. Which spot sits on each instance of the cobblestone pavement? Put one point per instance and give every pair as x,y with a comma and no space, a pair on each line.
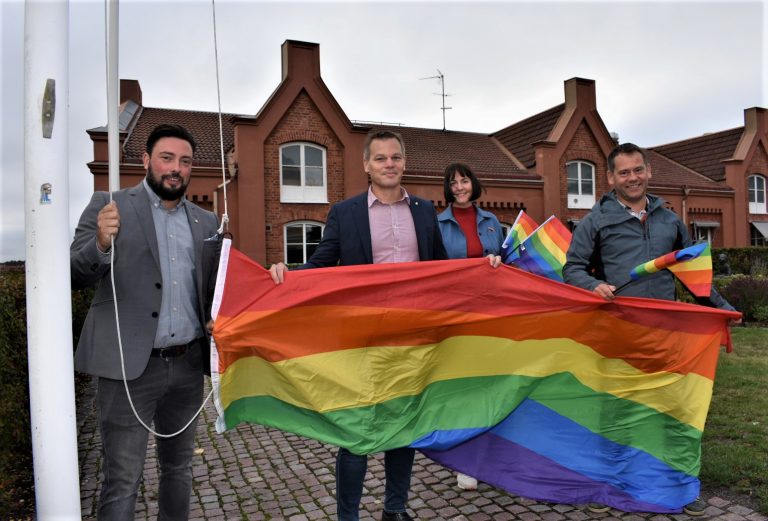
257,473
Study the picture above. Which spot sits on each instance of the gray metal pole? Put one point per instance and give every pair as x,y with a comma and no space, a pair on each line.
49,308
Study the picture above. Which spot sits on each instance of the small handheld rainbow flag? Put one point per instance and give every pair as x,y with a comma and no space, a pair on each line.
692,266
523,226
543,252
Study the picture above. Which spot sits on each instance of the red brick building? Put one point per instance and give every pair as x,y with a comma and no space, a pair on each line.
300,153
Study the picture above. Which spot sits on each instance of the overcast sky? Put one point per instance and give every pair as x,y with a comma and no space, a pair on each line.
664,71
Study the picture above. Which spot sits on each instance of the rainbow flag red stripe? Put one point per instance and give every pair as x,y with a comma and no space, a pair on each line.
595,401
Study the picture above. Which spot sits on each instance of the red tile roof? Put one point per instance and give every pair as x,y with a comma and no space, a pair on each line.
204,127
519,137
668,173
704,154
429,151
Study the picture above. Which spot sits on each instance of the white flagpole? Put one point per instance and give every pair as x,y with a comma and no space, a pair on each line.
49,307
113,94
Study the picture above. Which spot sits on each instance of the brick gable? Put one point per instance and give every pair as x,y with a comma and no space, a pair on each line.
302,122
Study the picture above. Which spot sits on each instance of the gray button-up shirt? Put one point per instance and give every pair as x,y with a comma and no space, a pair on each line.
179,322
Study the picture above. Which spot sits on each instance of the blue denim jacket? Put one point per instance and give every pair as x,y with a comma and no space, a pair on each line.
488,230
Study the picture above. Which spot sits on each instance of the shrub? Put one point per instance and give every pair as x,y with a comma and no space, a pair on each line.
749,295
746,261
16,483
16,478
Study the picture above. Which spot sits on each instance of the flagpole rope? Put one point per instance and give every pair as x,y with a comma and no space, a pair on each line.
222,229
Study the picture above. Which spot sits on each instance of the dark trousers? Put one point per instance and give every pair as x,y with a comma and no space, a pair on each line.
168,394
350,474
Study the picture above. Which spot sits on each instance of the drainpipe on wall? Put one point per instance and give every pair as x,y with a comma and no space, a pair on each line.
686,193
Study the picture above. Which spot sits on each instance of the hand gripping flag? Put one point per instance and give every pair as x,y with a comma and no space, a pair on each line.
692,265
540,388
543,252
520,230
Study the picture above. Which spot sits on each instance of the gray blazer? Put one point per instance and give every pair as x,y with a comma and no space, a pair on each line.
138,282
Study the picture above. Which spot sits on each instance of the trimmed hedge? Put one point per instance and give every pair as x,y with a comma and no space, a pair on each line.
16,480
746,261
17,499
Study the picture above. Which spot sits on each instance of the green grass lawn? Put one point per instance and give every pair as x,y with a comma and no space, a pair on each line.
735,444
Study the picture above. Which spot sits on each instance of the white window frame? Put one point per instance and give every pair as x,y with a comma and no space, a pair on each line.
754,206
303,193
756,237
303,224
579,201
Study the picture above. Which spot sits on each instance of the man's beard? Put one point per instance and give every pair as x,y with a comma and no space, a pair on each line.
163,192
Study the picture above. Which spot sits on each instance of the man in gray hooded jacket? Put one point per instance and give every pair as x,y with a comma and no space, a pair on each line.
626,228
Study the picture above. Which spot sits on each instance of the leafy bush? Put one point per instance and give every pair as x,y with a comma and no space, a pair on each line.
746,261
16,478
16,481
749,295
760,314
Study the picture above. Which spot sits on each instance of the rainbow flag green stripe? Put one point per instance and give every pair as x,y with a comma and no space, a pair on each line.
389,425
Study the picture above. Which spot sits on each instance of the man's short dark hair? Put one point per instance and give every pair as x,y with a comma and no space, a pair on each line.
464,171
625,148
167,130
381,134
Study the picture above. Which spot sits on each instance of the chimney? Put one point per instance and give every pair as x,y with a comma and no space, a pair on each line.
756,120
299,57
580,92
130,90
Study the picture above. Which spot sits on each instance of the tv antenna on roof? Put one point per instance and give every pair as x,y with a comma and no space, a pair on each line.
440,76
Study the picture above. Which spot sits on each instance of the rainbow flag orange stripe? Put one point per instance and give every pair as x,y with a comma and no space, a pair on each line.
551,388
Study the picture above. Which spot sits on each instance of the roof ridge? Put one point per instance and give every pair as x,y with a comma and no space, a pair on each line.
703,136
195,111
537,115
684,167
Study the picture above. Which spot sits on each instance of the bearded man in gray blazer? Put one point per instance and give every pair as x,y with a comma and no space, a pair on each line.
165,259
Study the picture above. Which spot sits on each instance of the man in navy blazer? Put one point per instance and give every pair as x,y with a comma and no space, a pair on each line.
384,224
165,251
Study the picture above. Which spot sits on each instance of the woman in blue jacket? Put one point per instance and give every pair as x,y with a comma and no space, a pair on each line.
467,231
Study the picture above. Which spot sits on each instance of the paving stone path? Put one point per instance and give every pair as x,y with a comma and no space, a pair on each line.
256,473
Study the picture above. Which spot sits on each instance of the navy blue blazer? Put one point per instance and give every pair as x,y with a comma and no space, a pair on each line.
347,235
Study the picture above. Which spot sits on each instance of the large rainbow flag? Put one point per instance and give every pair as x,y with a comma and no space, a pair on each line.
540,388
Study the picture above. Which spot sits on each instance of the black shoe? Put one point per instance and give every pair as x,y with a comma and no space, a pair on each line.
397,516
696,507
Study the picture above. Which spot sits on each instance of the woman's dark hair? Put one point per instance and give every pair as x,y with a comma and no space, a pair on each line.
464,171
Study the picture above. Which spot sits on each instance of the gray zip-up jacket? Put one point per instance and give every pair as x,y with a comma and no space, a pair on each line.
612,242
